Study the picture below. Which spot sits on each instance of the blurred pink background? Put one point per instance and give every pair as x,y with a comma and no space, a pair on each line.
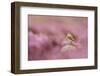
47,34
